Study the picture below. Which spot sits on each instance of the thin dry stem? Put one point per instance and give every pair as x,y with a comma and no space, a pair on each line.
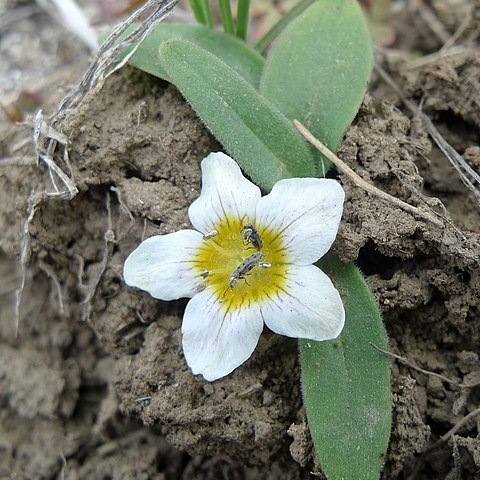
17,162
422,370
441,441
360,182
431,19
43,133
433,57
124,207
249,391
51,274
469,177
33,202
109,240
429,202
459,32
455,428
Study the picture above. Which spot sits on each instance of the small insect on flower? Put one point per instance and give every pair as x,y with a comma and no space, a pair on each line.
250,235
246,266
234,291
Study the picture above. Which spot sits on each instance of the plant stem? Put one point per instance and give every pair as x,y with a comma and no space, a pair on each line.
207,12
197,9
242,18
226,16
268,38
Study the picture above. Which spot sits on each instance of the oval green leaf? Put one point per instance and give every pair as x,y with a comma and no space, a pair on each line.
255,133
318,70
234,52
346,384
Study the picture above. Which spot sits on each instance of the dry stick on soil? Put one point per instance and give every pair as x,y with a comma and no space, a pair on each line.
441,441
469,177
360,182
44,133
459,32
422,370
429,202
124,207
457,464
109,241
17,162
430,18
33,202
448,48
432,57
51,274
454,429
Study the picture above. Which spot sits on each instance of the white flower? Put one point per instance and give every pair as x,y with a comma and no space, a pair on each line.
248,262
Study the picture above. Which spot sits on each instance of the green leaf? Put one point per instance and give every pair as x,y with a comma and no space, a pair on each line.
346,384
256,134
318,70
234,52
273,33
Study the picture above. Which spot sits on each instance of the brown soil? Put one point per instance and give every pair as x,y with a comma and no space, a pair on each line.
95,384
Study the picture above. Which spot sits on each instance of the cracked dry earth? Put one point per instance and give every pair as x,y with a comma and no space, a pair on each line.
95,385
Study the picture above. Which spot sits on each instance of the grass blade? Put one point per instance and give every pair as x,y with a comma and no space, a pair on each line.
197,9
226,17
207,12
275,31
242,18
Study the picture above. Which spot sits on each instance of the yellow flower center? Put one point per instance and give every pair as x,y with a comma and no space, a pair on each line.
220,258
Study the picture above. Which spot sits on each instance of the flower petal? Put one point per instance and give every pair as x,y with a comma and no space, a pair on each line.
162,265
216,341
308,307
307,212
225,192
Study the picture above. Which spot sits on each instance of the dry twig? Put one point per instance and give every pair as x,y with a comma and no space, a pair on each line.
430,18
360,182
426,372
51,274
441,441
469,177
455,429
109,241
34,200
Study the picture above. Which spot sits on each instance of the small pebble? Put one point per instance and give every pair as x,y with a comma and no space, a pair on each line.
268,398
208,389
